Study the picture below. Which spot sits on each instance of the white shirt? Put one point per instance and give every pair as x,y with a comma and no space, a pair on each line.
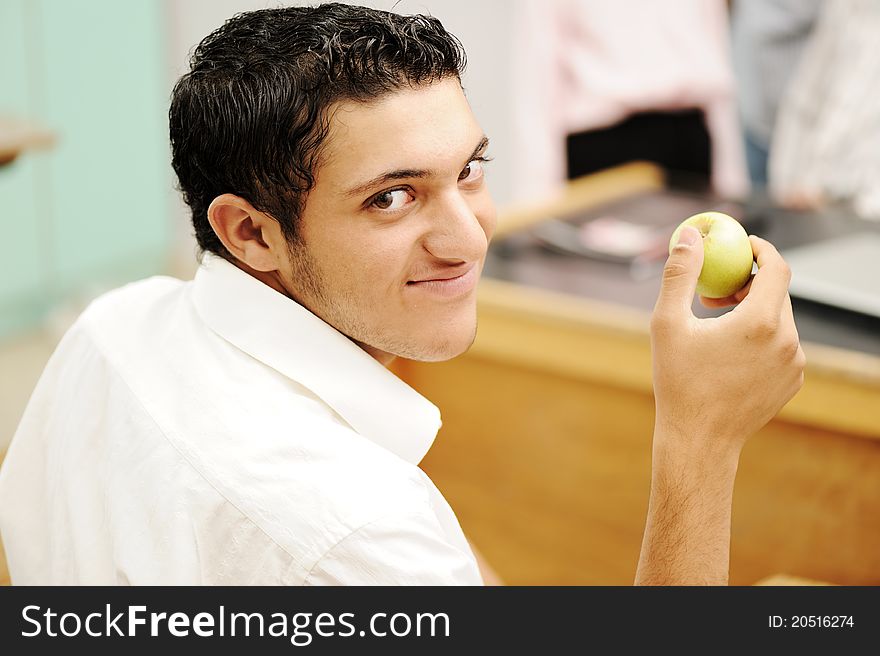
216,432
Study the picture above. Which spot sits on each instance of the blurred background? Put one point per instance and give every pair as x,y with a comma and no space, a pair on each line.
610,122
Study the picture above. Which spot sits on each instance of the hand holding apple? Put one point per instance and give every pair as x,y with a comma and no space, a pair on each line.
716,382
727,253
723,378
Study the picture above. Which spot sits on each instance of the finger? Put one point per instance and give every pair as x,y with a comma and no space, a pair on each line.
769,286
727,301
680,275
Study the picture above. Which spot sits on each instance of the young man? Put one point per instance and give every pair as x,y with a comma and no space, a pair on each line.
241,428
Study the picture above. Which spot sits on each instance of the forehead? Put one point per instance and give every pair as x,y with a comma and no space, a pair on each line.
428,127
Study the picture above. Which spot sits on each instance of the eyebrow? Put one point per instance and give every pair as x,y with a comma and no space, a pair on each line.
400,174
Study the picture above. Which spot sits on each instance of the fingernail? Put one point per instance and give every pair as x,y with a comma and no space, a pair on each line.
688,236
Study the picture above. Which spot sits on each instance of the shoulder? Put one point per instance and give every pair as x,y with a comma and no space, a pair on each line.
134,293
293,512
311,484
132,297
138,305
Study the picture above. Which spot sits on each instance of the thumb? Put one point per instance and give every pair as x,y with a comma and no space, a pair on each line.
680,273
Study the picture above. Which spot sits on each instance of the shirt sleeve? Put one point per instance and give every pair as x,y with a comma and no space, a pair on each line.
396,550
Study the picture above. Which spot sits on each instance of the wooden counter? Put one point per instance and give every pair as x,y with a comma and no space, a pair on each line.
545,448
4,572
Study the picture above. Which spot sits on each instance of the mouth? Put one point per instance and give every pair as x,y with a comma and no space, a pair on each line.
452,283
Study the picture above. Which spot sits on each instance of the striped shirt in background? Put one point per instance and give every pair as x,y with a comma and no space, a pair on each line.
827,136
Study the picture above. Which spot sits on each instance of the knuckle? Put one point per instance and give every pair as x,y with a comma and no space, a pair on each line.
674,269
790,349
784,270
765,326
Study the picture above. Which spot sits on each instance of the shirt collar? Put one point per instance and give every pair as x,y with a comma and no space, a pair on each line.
284,335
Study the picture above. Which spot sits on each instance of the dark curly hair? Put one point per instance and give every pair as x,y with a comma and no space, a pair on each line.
250,116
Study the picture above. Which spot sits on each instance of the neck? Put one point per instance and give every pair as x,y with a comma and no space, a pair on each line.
273,280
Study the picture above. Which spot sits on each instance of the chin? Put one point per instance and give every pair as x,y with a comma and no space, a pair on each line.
441,348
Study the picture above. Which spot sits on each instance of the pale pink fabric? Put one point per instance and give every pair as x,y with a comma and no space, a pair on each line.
584,64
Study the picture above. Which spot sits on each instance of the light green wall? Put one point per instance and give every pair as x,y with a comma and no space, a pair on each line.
22,279
92,211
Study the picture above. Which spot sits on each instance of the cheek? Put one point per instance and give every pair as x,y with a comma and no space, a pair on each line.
380,264
484,209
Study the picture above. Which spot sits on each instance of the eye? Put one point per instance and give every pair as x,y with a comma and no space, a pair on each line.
473,171
393,199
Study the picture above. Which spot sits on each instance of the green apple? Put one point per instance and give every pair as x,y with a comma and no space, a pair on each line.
727,253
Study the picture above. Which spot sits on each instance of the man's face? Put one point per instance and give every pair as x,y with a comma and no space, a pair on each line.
394,233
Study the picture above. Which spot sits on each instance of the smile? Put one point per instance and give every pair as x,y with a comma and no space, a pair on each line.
448,287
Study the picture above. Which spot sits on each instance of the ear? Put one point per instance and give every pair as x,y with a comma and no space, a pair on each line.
251,236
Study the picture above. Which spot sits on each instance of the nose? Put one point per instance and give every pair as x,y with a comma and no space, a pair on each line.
456,233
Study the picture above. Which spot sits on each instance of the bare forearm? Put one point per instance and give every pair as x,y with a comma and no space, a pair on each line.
687,534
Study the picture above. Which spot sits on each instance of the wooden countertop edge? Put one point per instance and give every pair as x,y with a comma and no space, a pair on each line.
558,307
543,329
